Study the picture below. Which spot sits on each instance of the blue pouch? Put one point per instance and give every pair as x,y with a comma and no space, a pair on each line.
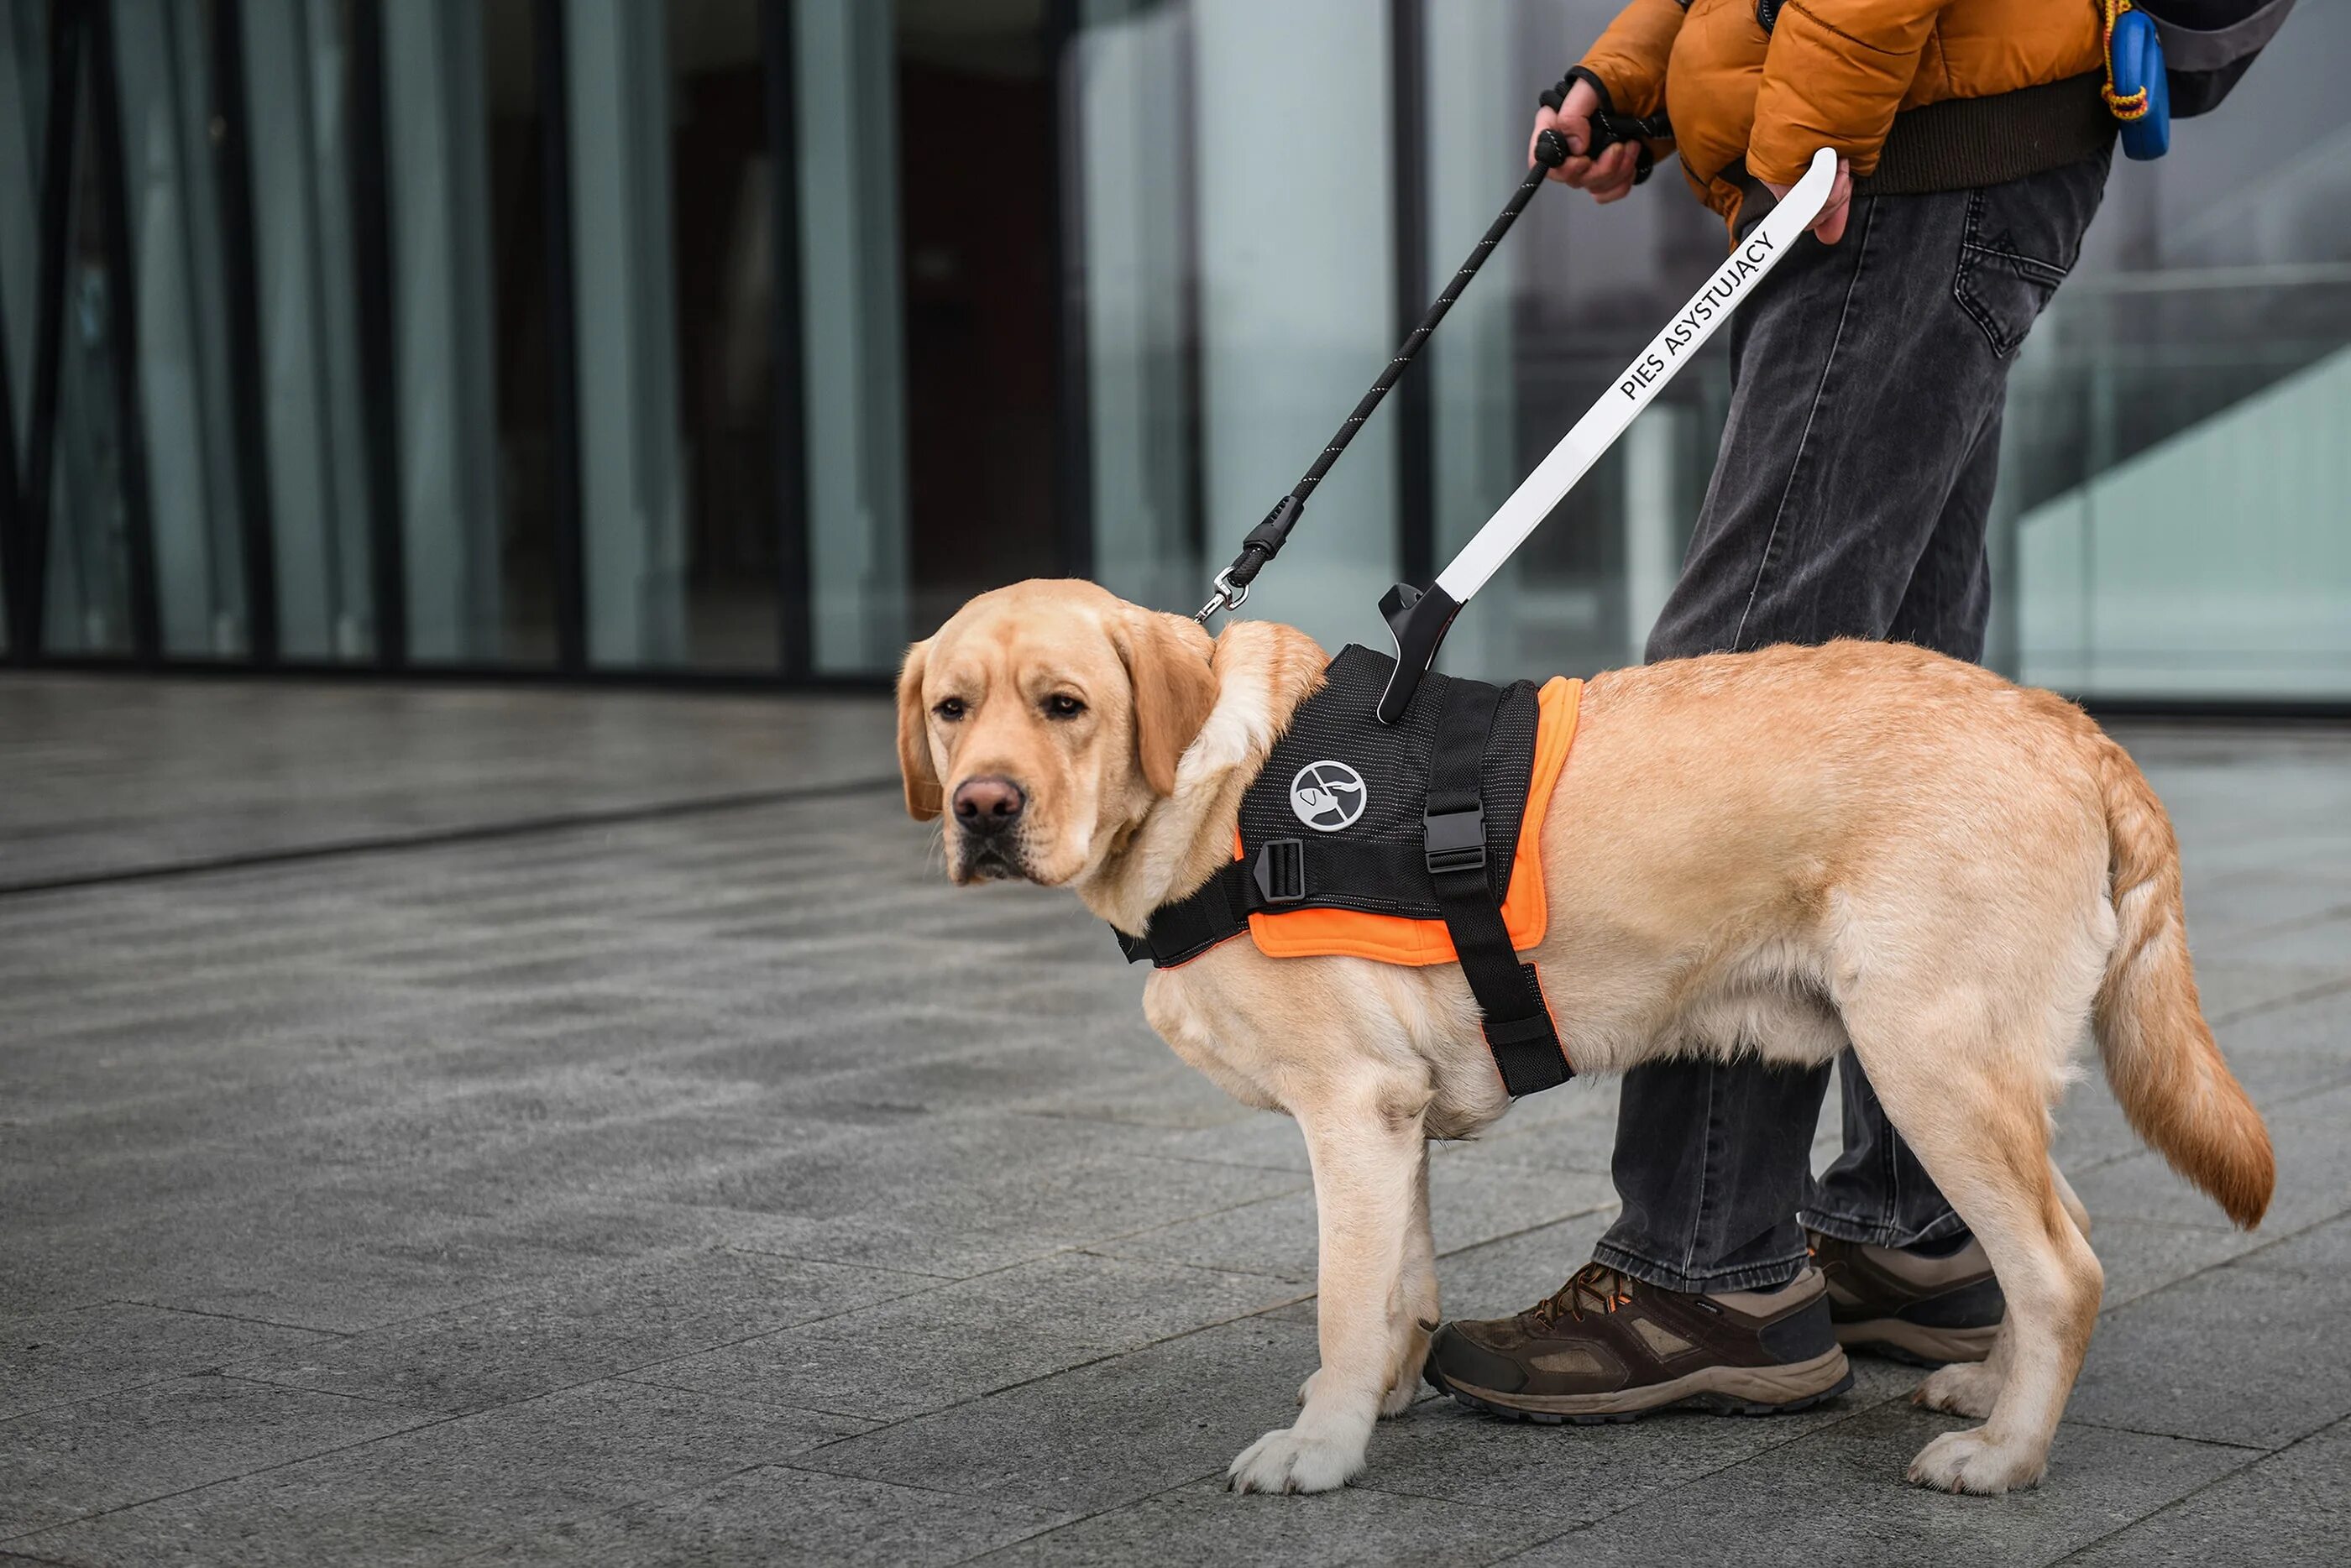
2134,59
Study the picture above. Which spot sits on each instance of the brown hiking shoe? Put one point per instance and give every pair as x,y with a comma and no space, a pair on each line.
1608,1348
1898,1302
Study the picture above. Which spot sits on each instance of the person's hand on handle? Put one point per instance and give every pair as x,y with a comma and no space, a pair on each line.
1830,224
1608,177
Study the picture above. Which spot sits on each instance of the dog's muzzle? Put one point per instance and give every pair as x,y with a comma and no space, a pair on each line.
988,815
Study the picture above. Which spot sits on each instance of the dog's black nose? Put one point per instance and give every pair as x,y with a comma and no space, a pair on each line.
987,805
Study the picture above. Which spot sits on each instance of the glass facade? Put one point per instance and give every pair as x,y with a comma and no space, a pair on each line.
747,338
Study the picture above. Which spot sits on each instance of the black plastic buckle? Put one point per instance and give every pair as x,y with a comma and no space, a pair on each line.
1455,840
1280,870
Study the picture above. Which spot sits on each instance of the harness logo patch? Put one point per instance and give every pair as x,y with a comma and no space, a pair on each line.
1328,796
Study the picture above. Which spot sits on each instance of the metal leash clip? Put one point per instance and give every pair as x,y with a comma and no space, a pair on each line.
1229,595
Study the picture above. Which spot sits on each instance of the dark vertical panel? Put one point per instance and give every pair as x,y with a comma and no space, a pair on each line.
1073,434
566,550
122,300
11,534
1194,372
231,151
795,641
1408,161
29,575
371,178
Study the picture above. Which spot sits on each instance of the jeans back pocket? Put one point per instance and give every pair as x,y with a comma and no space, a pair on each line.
2021,239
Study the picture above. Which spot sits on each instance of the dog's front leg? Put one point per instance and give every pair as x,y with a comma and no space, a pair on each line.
1367,1148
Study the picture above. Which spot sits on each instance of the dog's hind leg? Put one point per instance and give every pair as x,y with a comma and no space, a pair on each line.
1415,1315
1366,1141
1975,1110
1968,1389
2070,1200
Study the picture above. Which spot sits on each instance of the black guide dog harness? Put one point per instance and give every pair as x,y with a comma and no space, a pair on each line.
1415,822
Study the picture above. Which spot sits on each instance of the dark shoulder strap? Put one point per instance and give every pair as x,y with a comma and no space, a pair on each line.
1189,927
1518,1022
1277,875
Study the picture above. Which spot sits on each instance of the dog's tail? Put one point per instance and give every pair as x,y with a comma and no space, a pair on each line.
2160,1058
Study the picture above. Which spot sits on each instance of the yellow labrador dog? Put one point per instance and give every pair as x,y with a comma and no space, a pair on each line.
1780,851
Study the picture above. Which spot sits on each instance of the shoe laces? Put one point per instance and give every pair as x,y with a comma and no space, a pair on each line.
1595,1287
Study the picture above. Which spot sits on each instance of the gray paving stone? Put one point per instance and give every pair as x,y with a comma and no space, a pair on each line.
795,1050
2314,1176
2141,1256
68,1461
2234,988
1142,1083
336,1113
591,1325
338,1262
1261,1138
1009,1075
2321,1253
2289,1509
1221,1134
777,1515
967,1195
440,1490
166,771
939,1348
655,1155
1469,1201
2320,942
1359,1526
2091,1131
224,1017
1102,1434
1586,1144
1837,1496
2234,1354
591,1105
57,1357
2291,1055
1565,1477
2243,911
2316,1026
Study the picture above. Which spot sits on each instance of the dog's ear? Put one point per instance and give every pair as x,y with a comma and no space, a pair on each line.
922,780
1174,691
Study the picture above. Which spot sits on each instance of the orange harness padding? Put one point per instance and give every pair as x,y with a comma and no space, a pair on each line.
1416,843
1394,938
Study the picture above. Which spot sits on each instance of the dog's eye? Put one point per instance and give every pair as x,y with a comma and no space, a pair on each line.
951,709
1064,707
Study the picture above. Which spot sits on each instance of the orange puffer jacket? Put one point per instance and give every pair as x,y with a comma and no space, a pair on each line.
1922,95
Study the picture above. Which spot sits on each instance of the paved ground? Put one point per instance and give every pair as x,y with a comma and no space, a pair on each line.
550,1178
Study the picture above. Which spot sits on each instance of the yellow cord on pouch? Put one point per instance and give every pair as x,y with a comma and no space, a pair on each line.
2128,107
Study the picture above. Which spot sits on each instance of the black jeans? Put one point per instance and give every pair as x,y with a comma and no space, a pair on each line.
1849,499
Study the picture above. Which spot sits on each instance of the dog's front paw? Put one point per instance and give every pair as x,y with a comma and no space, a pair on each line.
1964,1388
1290,1458
1970,1462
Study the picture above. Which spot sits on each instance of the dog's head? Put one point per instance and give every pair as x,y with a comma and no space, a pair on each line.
1043,720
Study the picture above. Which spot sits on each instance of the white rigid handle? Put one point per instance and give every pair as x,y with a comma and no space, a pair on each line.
1597,431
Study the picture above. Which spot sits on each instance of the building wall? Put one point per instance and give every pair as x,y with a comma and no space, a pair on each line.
748,337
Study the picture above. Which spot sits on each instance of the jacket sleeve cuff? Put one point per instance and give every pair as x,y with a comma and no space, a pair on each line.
1825,87
1630,58
1772,170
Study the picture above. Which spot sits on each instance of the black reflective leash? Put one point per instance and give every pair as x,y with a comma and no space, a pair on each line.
1265,541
